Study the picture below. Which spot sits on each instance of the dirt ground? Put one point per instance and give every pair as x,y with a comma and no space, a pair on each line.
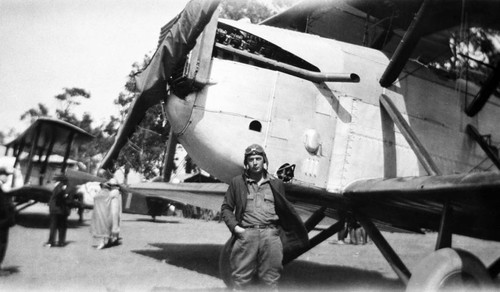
175,253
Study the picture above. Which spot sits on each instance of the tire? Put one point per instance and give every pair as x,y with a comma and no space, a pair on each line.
224,264
452,270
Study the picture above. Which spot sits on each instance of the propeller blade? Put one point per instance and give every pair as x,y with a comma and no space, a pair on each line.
180,38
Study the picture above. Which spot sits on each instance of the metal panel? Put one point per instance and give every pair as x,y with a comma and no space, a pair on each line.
301,107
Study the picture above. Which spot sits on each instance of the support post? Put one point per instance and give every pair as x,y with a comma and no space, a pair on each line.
66,154
315,218
17,152
40,174
405,47
169,158
422,155
47,156
445,234
319,238
484,94
494,268
389,254
34,143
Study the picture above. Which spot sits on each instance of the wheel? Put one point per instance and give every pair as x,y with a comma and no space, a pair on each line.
224,264
452,270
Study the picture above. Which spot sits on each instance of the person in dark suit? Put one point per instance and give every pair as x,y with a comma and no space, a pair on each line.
7,218
59,211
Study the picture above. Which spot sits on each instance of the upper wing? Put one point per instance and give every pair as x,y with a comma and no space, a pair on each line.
45,131
382,24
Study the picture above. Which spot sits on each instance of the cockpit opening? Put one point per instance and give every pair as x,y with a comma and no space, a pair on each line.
228,36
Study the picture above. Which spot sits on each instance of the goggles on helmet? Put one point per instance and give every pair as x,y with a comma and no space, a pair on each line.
253,151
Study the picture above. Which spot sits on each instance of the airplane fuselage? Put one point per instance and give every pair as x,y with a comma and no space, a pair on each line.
333,132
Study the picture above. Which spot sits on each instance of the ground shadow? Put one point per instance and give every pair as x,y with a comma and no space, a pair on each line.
300,274
155,221
8,271
42,221
202,258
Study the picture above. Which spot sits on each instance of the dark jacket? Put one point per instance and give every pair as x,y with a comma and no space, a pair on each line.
7,211
293,236
58,203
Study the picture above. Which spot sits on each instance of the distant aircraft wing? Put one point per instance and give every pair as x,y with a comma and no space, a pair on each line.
36,193
45,130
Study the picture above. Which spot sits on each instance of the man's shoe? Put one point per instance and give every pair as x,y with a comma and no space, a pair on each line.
101,246
48,245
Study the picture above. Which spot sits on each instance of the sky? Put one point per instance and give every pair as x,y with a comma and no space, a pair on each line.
48,45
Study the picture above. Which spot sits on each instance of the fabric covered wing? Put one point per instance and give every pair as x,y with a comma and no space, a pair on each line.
417,202
204,195
381,24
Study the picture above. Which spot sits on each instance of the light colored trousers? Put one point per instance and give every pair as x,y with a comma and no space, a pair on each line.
257,251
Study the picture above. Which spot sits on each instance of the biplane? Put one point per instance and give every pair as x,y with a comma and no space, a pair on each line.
351,116
42,153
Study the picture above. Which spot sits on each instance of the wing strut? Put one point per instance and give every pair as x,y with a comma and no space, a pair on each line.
445,234
17,152
494,269
405,47
319,238
389,254
34,143
315,218
169,157
480,139
46,162
66,154
423,156
484,94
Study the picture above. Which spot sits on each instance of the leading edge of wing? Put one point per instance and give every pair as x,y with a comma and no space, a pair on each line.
418,202
442,186
204,195
30,192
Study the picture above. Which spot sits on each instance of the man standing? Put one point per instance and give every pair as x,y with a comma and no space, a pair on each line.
59,212
264,225
7,214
